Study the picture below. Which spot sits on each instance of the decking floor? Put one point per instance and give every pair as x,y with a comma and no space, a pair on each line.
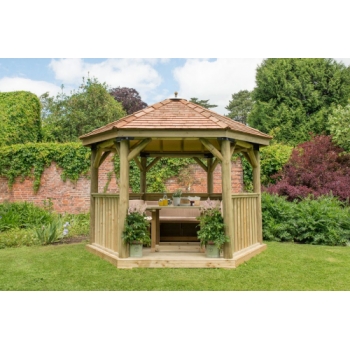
177,256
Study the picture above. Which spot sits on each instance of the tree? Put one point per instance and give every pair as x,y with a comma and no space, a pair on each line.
240,106
19,118
129,98
65,118
294,96
339,126
317,168
203,103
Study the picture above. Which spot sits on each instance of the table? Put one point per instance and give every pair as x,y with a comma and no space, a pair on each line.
155,223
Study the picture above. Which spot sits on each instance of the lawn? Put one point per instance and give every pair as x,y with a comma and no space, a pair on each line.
70,267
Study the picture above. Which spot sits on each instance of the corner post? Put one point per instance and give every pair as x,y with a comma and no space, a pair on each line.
257,189
93,189
209,177
123,196
227,198
143,176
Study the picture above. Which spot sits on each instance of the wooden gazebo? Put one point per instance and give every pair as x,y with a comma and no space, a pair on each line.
176,128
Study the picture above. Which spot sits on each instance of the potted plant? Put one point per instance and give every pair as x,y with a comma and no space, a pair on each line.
211,233
136,232
177,197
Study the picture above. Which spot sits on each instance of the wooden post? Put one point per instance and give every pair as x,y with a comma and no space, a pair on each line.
143,176
257,189
93,189
123,197
227,198
209,177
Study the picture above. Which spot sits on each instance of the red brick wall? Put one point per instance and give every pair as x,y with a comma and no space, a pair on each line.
74,197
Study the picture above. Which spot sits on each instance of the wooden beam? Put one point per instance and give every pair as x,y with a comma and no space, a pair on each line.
104,157
227,198
93,189
143,176
123,197
98,157
232,148
199,162
154,161
215,163
244,144
153,154
253,160
117,147
257,189
106,144
138,163
138,148
211,148
209,176
245,155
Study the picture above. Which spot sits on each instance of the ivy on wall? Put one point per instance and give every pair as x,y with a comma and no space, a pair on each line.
31,159
156,176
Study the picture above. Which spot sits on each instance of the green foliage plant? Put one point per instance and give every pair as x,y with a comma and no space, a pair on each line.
211,224
17,237
272,160
339,126
156,176
293,96
31,159
52,232
202,103
136,225
22,215
66,117
177,193
19,118
321,221
240,106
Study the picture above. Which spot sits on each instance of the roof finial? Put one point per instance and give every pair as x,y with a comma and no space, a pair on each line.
175,94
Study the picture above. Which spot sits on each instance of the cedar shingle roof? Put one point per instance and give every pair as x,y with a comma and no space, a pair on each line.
176,114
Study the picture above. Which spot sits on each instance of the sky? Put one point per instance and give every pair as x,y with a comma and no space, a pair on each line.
155,79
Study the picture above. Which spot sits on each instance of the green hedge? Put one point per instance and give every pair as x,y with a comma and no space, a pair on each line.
19,118
31,159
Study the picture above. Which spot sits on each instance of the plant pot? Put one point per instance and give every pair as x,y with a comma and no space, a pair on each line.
212,251
176,201
136,250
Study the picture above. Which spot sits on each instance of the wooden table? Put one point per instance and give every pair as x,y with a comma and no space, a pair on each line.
155,223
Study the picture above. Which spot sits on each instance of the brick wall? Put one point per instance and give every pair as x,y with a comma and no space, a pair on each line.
73,197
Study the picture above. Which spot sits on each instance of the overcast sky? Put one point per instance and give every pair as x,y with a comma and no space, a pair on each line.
155,79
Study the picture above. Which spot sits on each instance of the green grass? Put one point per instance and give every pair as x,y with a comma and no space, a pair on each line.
282,267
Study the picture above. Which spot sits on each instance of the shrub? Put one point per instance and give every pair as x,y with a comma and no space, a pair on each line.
16,237
52,232
19,118
317,167
22,215
324,220
272,160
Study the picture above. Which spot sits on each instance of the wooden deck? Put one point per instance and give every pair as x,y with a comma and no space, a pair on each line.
179,255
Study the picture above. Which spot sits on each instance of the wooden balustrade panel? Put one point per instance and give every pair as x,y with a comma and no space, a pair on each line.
245,220
106,221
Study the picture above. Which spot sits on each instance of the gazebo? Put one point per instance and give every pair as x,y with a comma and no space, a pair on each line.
175,128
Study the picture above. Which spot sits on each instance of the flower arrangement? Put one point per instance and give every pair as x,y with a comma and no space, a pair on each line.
211,223
136,225
177,193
